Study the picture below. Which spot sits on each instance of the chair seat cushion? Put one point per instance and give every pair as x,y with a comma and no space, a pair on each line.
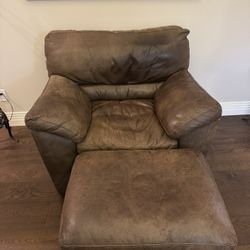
127,124
164,199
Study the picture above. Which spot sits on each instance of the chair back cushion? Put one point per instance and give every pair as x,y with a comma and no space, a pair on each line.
117,57
121,92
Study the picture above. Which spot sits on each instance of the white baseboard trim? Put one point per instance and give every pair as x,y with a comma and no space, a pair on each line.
228,108
235,108
17,118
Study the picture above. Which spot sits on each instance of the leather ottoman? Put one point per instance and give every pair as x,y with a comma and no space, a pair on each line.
144,199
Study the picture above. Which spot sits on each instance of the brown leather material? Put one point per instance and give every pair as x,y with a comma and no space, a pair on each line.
62,109
58,155
117,57
171,247
129,124
200,138
182,105
121,92
153,198
113,90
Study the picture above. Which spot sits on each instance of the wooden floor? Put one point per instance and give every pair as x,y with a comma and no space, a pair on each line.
30,207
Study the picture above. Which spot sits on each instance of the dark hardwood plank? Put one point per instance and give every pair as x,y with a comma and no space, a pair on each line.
30,207
31,239
234,180
27,191
242,228
247,247
231,157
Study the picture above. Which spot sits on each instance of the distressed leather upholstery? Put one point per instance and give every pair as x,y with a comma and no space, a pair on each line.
144,199
121,92
115,106
62,109
182,105
127,124
89,66
111,57
58,154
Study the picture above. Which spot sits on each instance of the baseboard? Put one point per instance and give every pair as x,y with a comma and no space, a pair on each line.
235,108
228,108
17,118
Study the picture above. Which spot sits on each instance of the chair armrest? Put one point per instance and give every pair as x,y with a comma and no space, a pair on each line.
62,109
182,105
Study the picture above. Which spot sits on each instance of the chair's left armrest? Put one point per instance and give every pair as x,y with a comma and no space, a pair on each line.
182,105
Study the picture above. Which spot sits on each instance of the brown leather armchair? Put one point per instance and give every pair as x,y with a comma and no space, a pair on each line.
118,95
116,90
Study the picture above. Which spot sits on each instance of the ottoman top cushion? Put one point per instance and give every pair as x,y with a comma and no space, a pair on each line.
156,198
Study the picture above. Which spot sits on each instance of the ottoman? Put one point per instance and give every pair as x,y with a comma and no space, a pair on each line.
144,199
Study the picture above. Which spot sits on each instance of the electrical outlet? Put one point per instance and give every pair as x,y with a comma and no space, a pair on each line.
2,95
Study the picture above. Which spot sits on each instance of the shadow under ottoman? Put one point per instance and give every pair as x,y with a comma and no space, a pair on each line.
144,199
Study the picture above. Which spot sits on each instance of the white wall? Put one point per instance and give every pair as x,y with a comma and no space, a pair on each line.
219,39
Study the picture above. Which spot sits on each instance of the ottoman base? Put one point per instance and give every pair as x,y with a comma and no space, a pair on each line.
179,247
144,199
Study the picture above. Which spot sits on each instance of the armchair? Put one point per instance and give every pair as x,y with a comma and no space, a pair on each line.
114,108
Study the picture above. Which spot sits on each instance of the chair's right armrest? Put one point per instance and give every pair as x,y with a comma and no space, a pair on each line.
62,109
182,105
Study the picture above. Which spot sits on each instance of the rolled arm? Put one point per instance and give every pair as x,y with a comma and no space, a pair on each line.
182,105
62,109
